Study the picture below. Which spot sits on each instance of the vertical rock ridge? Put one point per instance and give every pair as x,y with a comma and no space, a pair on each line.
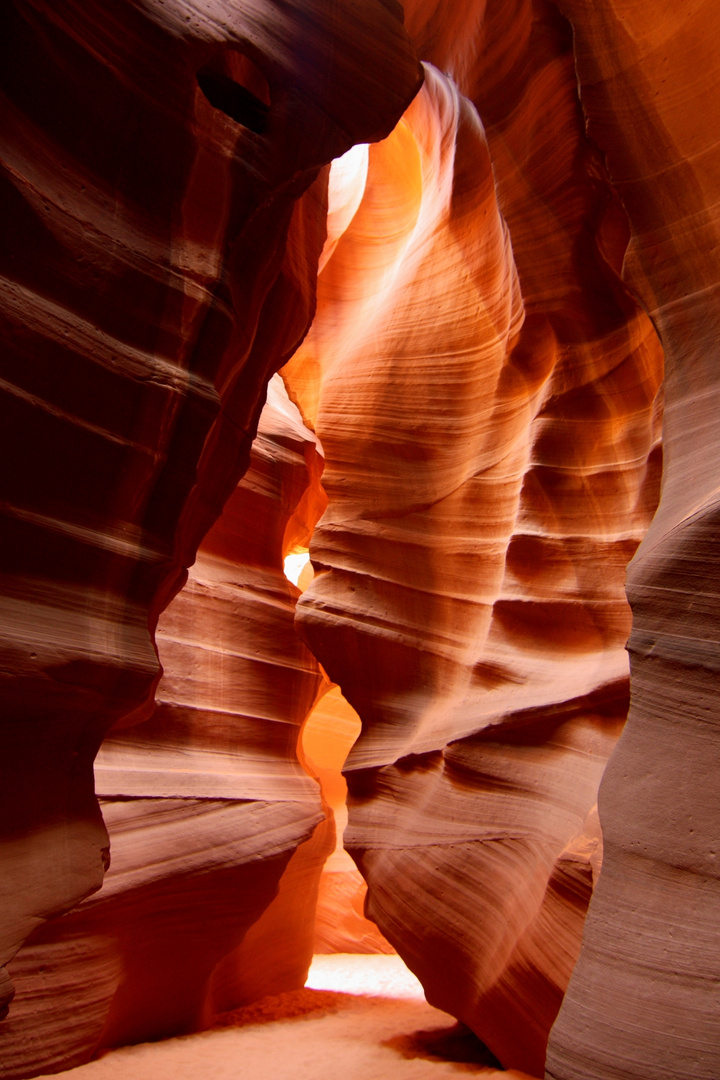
643,1000
470,567
142,321
218,836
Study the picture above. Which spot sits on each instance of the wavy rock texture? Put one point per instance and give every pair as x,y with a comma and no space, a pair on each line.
489,417
340,923
645,997
237,683
486,390
161,224
209,812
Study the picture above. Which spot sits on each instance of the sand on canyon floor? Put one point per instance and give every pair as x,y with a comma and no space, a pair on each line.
359,1018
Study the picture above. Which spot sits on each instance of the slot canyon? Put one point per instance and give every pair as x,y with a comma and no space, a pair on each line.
357,410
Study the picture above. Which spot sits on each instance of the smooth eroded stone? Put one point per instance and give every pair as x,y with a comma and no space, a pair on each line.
163,211
644,1000
485,390
218,835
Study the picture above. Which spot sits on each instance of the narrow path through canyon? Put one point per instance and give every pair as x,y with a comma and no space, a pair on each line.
360,1018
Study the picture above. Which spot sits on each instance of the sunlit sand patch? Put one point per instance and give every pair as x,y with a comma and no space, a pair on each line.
359,1018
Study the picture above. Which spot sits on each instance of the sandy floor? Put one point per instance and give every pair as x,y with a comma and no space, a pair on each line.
360,1018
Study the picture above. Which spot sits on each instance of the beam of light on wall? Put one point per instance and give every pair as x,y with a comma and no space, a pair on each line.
348,174
294,565
346,187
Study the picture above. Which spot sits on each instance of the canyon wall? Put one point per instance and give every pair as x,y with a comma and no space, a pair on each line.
497,290
163,210
645,997
217,834
488,410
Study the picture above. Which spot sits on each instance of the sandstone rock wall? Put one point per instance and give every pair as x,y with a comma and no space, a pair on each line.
484,372
217,834
327,737
485,389
160,234
644,999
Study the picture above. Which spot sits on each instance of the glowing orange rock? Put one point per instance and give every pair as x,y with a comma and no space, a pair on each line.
218,835
485,387
644,999
491,432
340,923
162,218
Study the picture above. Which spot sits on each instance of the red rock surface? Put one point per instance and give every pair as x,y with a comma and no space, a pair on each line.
645,997
340,923
161,224
484,374
217,834
488,414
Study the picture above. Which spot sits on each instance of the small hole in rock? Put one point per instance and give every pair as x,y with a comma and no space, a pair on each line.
237,88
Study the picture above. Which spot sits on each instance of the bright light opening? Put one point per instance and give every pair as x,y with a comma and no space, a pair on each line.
346,187
375,974
294,565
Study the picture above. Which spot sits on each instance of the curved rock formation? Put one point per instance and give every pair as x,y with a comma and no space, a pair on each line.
488,412
209,812
484,374
160,236
645,997
340,923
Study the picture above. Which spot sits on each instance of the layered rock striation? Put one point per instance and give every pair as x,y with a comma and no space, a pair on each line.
484,373
644,999
488,408
217,834
162,215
